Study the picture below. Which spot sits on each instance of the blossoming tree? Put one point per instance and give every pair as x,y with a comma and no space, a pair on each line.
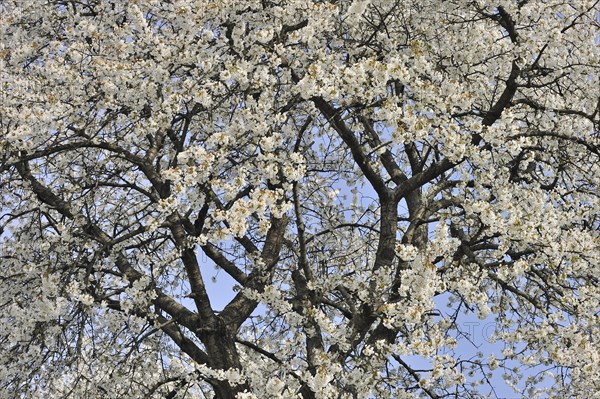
353,166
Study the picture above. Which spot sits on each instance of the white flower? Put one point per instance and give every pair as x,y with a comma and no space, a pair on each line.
406,252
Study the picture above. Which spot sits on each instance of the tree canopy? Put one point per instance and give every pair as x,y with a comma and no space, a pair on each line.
365,173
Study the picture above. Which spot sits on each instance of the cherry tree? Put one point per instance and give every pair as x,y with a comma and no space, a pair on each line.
366,173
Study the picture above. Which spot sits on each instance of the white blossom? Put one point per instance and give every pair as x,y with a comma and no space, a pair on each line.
299,199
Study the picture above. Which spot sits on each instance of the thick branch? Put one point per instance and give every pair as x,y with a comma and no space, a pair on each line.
333,116
192,268
241,307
